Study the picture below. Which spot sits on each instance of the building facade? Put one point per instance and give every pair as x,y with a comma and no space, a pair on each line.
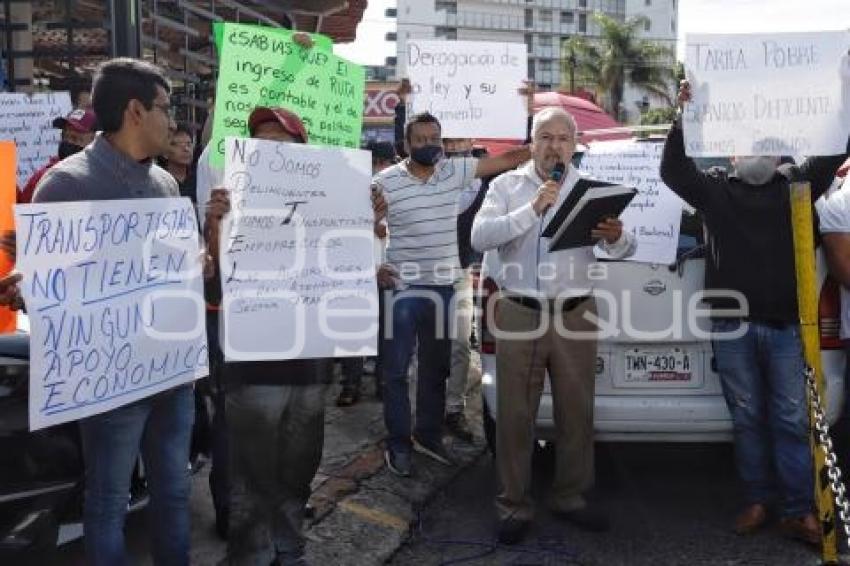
541,24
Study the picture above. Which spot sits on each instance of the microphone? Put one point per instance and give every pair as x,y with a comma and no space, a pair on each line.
556,175
557,171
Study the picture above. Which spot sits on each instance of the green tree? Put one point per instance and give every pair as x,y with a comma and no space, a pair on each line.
617,56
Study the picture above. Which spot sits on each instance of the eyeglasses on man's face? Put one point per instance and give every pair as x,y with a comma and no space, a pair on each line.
166,109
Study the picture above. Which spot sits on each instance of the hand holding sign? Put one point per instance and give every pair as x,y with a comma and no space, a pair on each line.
528,92
10,293
684,95
609,230
379,202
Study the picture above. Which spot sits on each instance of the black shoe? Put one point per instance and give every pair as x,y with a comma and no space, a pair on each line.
398,462
458,427
197,463
587,518
511,531
434,450
348,397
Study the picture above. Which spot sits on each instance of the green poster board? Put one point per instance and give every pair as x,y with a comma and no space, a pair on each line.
260,66
319,40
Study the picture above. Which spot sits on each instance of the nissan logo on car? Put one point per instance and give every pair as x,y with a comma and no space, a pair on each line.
655,287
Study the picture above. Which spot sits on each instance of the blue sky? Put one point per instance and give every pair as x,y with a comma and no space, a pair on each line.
707,16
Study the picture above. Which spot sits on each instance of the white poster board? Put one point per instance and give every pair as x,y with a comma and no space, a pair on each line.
115,300
655,214
767,94
297,262
29,121
470,86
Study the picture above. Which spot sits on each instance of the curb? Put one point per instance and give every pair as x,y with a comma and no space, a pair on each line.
365,514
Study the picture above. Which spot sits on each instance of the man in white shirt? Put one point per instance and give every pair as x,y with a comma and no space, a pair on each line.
834,213
551,291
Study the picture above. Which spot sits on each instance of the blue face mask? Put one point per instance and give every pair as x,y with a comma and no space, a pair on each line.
427,155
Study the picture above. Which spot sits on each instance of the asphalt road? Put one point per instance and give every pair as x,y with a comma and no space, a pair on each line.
668,504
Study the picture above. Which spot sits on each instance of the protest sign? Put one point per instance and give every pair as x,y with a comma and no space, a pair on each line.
655,214
297,264
767,94
319,40
28,120
470,86
8,318
115,298
263,67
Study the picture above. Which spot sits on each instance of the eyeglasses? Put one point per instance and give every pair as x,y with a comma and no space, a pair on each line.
166,109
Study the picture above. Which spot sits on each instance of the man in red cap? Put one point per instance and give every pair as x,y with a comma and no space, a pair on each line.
78,129
274,410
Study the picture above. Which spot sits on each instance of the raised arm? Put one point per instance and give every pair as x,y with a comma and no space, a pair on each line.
511,159
679,172
820,171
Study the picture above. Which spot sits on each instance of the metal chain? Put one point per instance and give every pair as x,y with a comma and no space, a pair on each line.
833,471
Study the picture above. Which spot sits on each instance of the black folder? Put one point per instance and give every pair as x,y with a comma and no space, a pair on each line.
589,203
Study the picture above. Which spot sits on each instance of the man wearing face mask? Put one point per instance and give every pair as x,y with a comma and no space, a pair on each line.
420,198
750,251
78,130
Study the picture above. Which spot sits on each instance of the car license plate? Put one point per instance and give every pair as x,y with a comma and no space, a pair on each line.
676,367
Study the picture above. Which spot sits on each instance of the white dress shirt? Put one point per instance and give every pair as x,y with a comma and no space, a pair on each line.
508,224
207,178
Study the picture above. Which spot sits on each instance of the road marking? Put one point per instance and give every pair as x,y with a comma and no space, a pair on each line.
375,516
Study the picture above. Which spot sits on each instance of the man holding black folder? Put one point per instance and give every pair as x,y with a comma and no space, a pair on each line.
545,310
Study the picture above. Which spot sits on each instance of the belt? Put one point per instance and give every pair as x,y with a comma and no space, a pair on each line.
549,304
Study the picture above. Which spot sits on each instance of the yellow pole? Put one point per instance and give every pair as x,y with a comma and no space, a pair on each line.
807,301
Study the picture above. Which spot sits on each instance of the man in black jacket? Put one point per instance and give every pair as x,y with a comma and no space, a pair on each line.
750,264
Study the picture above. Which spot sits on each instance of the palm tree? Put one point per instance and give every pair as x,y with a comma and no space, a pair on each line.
618,56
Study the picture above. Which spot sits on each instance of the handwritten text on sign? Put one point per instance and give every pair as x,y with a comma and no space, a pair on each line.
778,94
115,298
264,67
28,120
655,214
298,272
470,86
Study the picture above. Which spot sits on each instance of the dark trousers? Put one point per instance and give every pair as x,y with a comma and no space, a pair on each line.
276,434
219,473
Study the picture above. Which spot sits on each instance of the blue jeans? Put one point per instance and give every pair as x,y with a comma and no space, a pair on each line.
419,312
762,377
161,426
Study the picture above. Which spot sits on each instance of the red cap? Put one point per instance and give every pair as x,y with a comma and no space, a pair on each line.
290,122
81,119
844,169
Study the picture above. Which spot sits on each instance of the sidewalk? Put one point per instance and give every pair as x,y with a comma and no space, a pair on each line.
363,513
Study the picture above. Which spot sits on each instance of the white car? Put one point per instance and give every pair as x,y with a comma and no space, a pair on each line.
665,390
